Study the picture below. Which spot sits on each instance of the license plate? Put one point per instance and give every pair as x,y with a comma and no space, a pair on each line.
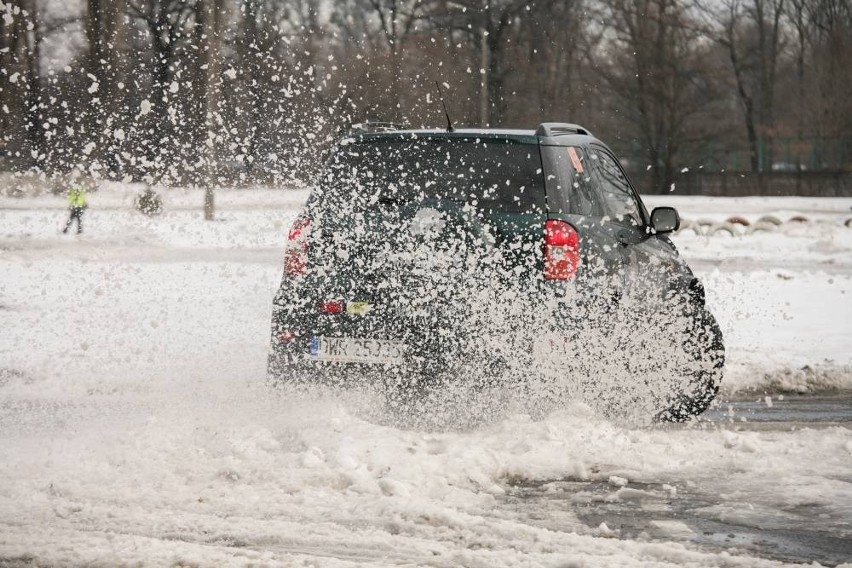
357,350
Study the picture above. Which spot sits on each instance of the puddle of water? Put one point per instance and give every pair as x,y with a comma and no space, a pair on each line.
656,511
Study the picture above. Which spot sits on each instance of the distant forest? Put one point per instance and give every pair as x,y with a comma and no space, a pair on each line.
216,92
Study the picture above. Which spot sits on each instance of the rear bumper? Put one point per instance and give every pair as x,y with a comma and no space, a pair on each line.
431,350
438,348
453,338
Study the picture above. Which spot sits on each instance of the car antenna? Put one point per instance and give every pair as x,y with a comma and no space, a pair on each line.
446,112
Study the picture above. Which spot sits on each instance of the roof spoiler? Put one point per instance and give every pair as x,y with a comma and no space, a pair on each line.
560,129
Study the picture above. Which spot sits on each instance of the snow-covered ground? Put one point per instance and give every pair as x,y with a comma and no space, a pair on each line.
135,428
783,296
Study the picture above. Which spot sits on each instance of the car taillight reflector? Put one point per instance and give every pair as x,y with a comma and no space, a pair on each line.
561,250
285,336
332,308
296,253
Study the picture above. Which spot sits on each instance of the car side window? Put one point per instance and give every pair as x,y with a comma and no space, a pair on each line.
619,199
569,181
585,202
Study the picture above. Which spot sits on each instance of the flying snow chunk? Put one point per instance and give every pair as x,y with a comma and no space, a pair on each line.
617,481
118,134
173,88
231,73
145,107
13,78
93,88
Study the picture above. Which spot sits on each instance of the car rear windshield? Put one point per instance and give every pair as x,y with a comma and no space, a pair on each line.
491,175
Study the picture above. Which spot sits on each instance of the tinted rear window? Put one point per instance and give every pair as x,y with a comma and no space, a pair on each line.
491,175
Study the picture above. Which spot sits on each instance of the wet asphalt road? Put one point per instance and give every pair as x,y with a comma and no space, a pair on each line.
804,535
783,412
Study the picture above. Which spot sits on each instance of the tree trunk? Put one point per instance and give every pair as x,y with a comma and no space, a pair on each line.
210,18
34,104
105,34
484,78
748,106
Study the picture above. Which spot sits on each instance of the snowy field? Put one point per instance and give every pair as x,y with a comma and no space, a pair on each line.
135,427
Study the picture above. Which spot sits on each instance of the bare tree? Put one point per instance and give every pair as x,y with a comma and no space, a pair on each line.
228,90
22,95
105,32
381,29
284,54
832,52
209,30
751,32
397,19
273,39
550,46
169,28
487,25
798,16
655,71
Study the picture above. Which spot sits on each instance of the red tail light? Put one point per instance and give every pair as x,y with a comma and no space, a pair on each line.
332,308
561,250
296,253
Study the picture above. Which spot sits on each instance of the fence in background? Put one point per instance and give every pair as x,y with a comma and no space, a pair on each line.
730,184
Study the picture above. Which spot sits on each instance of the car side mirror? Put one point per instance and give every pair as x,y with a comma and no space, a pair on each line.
665,220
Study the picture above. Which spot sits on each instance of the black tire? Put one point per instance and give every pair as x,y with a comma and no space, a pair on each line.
705,345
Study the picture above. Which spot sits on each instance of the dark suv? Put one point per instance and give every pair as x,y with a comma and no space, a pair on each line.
516,258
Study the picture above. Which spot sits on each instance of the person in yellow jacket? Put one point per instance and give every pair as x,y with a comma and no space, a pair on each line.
76,205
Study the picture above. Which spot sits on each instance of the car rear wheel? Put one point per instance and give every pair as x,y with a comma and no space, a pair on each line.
703,343
663,365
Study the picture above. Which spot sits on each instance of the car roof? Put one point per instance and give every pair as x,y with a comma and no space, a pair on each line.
516,135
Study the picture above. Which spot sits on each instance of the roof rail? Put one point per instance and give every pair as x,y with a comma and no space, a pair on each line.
560,129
